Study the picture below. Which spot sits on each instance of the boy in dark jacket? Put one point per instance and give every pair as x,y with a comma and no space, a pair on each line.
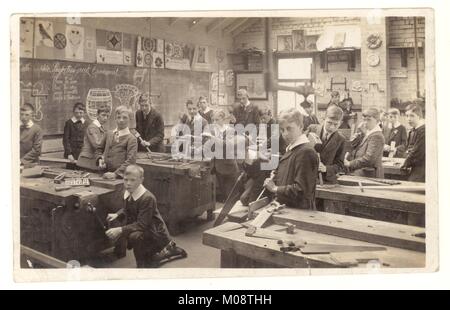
144,230
294,181
150,125
74,131
332,150
415,147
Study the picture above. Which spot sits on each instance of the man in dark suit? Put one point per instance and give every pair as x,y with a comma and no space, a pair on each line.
332,151
246,112
309,119
415,147
150,125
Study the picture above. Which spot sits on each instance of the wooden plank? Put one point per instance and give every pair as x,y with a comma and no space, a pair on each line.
43,259
255,205
55,160
394,200
239,22
268,251
215,24
377,232
244,26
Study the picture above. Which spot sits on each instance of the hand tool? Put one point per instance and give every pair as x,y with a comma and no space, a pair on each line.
233,196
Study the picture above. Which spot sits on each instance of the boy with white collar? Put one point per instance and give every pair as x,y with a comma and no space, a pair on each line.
415,147
396,139
120,147
366,157
294,181
30,137
144,230
74,131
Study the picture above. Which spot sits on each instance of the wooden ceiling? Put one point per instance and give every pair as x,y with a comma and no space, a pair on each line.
227,26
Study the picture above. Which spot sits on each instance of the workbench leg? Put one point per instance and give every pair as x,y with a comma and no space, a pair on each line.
210,215
227,259
416,219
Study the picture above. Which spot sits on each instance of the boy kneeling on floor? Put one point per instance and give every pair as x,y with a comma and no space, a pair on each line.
144,230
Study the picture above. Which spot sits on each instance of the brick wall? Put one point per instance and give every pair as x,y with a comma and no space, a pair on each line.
254,36
401,31
403,87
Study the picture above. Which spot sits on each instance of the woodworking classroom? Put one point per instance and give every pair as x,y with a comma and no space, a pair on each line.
124,123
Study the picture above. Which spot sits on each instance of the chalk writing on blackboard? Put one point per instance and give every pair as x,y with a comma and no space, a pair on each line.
33,94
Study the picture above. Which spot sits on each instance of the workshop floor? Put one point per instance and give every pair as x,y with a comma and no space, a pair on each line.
199,255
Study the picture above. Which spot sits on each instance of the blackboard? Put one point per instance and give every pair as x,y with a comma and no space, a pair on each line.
54,86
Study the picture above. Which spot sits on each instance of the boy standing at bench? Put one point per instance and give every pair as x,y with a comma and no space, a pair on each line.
120,146
74,131
294,181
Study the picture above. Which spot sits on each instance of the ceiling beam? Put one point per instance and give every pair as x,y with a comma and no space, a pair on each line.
215,24
234,25
173,20
195,23
244,26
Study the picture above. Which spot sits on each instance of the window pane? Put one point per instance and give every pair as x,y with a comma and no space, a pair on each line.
294,68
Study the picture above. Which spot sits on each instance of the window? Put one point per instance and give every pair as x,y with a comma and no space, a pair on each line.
293,72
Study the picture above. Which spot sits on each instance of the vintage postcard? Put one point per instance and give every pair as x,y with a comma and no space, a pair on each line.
224,144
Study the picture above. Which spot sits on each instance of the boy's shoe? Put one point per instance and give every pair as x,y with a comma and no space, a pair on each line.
169,253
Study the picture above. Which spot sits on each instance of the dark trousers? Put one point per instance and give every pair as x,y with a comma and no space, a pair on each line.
144,246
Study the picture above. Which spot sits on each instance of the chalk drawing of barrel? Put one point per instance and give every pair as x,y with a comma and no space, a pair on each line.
96,98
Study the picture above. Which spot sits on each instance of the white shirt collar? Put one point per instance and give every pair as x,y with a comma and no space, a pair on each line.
206,110
74,119
375,129
136,194
97,123
397,124
300,140
247,103
122,132
421,123
28,125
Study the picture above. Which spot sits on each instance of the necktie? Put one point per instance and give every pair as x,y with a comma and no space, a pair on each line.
116,136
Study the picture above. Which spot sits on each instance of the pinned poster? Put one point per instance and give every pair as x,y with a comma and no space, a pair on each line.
201,60
114,41
43,39
75,42
126,47
177,55
150,53
109,47
44,33
229,78
26,37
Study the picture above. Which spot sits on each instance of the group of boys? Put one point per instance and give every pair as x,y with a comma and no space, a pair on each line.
292,183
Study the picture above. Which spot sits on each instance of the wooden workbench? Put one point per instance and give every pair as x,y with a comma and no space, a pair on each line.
391,168
52,223
385,205
184,189
241,251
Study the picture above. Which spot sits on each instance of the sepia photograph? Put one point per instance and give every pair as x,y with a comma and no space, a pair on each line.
213,144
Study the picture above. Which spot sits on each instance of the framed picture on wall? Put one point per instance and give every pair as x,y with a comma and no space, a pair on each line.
253,82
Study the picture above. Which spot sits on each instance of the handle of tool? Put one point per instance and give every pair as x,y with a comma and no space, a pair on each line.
320,173
264,189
